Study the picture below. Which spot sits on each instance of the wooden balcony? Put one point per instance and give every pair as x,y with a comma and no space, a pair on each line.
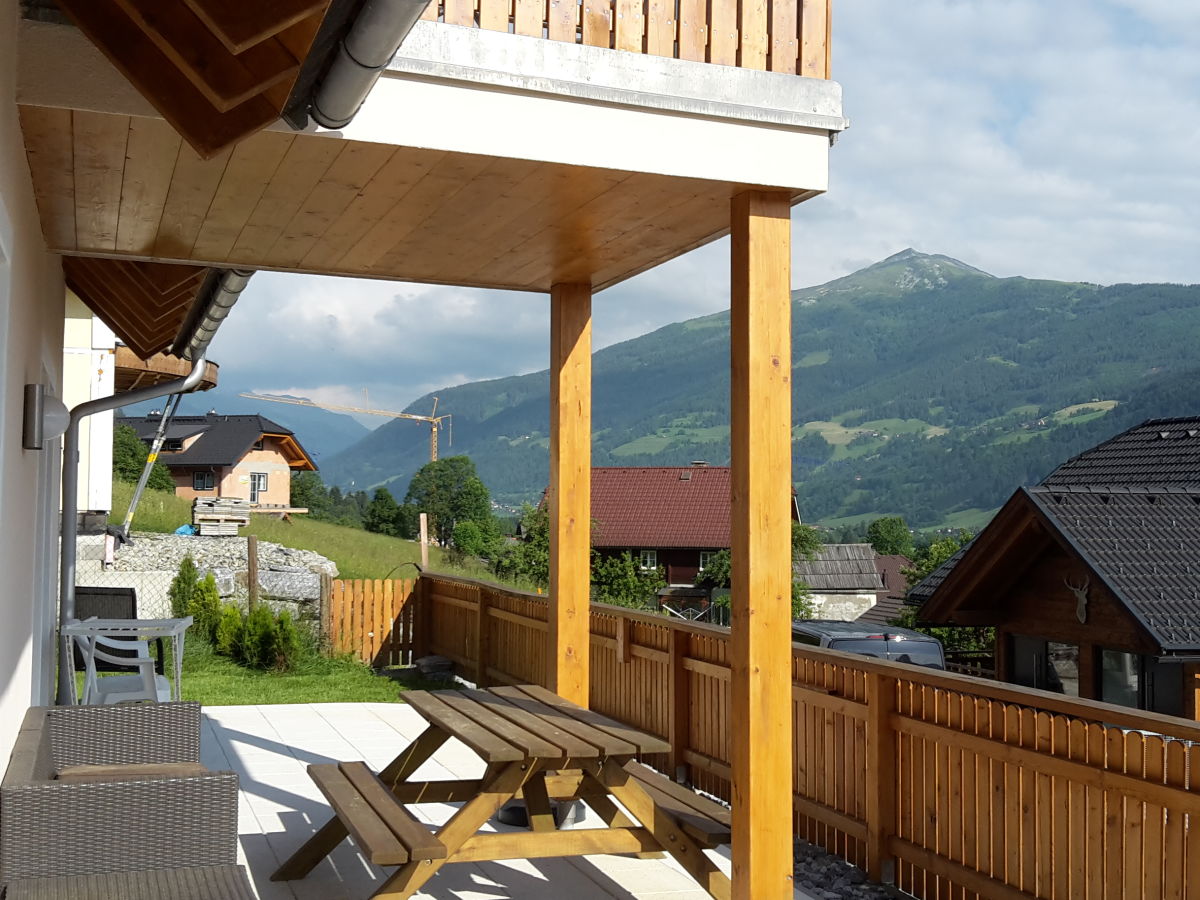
792,36
953,785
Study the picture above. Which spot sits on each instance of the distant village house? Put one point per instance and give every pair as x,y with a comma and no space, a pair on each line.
247,457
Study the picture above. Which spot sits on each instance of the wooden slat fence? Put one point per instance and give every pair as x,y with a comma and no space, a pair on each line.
962,787
790,36
371,619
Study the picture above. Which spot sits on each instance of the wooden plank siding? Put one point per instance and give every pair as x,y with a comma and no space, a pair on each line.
111,185
963,787
787,36
373,620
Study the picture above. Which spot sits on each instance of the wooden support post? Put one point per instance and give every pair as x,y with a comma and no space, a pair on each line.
881,778
483,640
251,572
760,530
424,519
678,722
570,488
1191,691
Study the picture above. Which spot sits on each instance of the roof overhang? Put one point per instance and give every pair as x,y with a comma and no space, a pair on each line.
297,456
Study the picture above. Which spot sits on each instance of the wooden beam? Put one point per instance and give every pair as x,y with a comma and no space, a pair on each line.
760,525
570,488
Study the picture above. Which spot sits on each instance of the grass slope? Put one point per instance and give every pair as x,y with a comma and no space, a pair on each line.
357,553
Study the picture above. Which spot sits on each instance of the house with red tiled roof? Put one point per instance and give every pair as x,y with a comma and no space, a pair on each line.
672,517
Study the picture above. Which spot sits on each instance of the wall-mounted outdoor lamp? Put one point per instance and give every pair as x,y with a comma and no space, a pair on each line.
46,417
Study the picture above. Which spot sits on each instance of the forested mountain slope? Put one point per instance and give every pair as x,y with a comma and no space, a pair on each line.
923,387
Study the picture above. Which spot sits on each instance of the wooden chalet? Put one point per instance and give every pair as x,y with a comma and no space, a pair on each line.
669,517
1092,578
842,578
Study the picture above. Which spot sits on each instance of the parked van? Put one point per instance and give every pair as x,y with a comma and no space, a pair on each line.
882,642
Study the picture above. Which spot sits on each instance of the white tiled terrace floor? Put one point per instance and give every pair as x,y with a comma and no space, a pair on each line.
279,807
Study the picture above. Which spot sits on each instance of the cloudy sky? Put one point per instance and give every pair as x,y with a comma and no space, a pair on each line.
1052,139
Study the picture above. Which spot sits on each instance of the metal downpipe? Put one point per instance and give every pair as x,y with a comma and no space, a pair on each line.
70,506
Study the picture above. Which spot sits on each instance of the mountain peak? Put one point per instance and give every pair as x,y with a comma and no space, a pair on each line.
906,271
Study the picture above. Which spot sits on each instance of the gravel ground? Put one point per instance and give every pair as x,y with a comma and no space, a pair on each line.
829,877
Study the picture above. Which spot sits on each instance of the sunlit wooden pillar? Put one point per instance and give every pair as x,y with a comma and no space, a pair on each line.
761,682
570,488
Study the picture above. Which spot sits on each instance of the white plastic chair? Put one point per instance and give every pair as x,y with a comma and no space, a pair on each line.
146,684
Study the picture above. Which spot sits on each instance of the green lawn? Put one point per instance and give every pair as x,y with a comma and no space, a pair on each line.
218,681
358,553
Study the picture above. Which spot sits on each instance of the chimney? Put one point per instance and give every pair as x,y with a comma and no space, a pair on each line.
700,463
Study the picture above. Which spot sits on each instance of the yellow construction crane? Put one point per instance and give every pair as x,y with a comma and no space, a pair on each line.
434,420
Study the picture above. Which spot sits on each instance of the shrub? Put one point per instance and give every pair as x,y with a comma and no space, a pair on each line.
227,637
260,639
183,588
287,641
206,607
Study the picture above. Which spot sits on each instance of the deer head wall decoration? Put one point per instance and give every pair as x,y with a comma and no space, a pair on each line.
1081,598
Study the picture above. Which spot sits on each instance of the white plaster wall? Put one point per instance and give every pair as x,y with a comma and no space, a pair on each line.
89,364
842,607
31,333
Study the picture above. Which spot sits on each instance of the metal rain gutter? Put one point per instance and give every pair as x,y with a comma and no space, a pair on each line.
70,501
373,39
210,311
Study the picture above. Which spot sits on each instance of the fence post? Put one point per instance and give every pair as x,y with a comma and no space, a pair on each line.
252,571
881,777
678,696
421,617
326,614
483,640
424,520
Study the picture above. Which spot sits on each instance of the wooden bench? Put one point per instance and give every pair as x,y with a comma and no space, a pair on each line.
384,830
705,821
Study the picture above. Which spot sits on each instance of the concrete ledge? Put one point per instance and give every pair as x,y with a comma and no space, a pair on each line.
528,64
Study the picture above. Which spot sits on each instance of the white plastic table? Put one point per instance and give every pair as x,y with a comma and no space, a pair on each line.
138,629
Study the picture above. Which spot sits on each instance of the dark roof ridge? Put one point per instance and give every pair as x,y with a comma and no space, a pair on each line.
1113,489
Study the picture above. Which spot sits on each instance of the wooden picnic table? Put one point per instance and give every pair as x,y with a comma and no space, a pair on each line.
537,747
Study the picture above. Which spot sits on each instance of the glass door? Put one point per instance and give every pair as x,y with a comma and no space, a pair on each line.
258,485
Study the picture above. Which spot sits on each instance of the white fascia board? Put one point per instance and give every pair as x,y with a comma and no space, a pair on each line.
466,118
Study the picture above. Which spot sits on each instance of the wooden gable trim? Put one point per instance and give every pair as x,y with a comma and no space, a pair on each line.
298,458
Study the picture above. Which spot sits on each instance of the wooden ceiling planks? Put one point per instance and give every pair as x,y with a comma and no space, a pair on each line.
144,303
217,70
305,202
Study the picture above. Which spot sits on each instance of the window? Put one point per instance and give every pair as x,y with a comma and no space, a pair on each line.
1119,678
649,559
173,444
706,557
258,445
202,481
258,485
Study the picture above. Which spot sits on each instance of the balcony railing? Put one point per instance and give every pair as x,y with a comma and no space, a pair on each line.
790,36
968,785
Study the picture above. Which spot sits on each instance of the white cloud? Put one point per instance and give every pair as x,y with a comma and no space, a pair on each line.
1054,140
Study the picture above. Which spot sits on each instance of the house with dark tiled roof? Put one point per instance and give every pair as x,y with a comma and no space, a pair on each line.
248,457
1092,578
674,517
889,597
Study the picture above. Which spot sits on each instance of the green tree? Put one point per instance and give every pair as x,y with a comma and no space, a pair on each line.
129,458
381,513
528,559
449,491
308,490
621,581
952,637
890,535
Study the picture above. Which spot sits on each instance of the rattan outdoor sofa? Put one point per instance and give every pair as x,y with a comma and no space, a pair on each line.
62,821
